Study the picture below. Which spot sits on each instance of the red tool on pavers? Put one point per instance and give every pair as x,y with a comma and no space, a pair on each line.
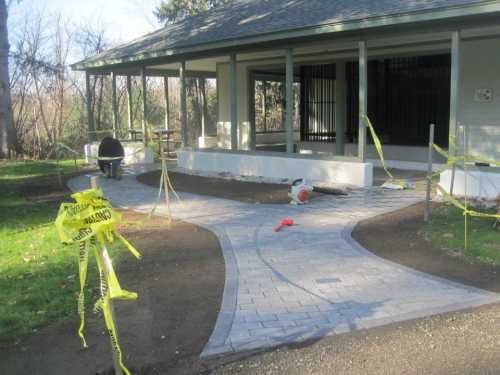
284,223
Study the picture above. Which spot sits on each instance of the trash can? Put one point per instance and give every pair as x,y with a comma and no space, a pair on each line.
113,149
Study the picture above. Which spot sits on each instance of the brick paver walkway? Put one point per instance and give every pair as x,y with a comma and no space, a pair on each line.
309,280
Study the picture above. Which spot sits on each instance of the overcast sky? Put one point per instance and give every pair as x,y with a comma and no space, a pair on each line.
123,20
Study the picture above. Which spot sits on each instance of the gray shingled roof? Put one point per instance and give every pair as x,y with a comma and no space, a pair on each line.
248,18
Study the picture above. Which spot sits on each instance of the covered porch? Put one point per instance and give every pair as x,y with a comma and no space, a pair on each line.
404,79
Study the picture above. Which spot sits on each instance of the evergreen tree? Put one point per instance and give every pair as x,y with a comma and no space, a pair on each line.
170,11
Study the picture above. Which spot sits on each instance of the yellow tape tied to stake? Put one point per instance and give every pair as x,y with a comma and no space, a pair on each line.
453,161
403,184
91,222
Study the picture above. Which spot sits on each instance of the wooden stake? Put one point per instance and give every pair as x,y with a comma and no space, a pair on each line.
165,180
103,252
59,178
429,173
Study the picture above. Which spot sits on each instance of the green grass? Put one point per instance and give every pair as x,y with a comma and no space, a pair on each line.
446,231
38,275
20,170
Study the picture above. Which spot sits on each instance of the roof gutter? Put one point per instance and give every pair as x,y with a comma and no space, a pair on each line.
486,8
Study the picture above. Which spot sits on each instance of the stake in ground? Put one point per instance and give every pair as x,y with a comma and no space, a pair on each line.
38,275
446,231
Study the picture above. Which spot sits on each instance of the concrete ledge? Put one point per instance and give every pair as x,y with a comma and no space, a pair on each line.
280,166
394,153
135,153
207,142
480,183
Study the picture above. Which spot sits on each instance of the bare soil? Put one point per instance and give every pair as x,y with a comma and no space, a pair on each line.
179,281
241,191
397,236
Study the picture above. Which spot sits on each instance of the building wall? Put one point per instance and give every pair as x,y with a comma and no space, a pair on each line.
480,69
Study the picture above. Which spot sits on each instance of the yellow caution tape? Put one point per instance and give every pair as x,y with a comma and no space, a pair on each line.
461,206
378,146
480,159
102,158
90,222
83,262
452,160
469,158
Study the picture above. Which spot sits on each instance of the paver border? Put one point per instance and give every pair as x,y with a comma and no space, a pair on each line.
217,342
490,297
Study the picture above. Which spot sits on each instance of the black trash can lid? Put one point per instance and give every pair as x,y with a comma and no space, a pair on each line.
110,147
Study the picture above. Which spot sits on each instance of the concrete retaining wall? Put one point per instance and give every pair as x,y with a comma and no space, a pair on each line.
248,164
480,183
135,153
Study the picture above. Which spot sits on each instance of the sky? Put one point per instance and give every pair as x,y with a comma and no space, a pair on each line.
123,20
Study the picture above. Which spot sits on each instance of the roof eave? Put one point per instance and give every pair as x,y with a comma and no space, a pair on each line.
357,25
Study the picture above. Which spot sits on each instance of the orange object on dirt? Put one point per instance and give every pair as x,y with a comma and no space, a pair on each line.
304,195
284,223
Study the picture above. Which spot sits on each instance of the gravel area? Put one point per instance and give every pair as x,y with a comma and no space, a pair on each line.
458,343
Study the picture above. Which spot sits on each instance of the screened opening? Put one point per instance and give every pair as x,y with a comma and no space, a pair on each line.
317,123
270,106
405,95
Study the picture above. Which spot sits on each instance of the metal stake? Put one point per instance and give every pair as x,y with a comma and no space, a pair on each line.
429,173
103,252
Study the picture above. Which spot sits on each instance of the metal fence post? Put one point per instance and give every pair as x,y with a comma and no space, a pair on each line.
103,253
429,174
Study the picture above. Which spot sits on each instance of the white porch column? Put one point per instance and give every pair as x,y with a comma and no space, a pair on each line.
363,99
455,82
340,107
234,101
289,100
129,105
167,103
203,105
183,106
114,105
144,106
251,96
90,113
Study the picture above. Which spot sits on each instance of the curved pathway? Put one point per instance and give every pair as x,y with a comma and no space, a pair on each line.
309,280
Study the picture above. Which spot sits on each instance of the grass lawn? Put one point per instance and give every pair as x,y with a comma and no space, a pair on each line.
446,231
38,275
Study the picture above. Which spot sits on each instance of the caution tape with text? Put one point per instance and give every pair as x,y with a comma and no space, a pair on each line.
91,222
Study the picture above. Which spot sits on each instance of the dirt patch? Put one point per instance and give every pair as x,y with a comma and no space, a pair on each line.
396,236
180,281
47,189
242,191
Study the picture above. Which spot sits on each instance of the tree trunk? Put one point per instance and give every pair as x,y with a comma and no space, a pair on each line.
7,135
